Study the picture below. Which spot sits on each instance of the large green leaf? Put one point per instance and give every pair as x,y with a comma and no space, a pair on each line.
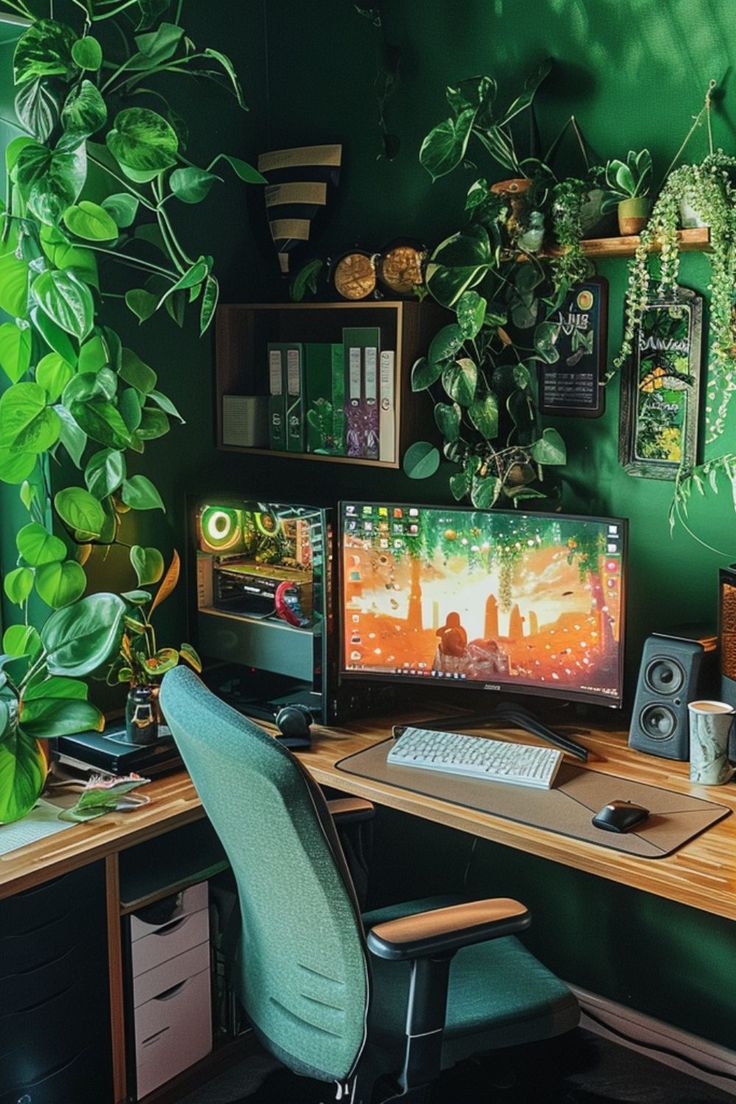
27,423
105,472
72,436
421,460
448,420
135,372
550,448
23,770
83,114
424,373
232,76
444,147
460,381
129,405
56,687
91,221
18,584
66,300
21,640
191,185
142,139
87,53
50,180
485,491
51,717
210,298
101,420
13,285
471,312
45,50
483,413
153,424
15,350
81,511
80,638
37,109
545,342
165,403
242,169
159,45
123,208
459,263
37,546
15,466
53,335
140,494
148,564
142,303
70,255
445,344
58,584
53,374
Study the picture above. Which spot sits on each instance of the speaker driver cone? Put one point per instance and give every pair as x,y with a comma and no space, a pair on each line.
658,721
664,676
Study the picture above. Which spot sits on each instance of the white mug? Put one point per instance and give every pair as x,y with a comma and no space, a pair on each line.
710,728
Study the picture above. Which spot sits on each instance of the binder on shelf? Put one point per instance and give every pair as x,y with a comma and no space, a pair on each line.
362,347
387,407
276,399
294,388
324,377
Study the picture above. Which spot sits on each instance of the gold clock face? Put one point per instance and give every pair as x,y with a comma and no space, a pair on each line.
401,268
355,275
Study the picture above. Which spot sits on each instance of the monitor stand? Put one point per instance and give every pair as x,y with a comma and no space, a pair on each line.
507,713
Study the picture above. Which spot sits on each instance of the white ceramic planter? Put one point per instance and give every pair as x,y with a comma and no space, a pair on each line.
690,218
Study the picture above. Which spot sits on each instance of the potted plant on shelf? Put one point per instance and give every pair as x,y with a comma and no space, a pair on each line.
628,183
99,154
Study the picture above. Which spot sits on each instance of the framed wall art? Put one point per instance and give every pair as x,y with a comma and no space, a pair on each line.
660,389
574,385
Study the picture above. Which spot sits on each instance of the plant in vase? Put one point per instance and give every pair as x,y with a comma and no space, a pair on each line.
628,183
95,180
141,663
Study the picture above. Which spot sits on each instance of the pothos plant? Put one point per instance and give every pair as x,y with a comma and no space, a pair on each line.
481,369
95,183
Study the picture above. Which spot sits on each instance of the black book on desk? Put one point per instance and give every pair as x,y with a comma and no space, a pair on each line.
109,751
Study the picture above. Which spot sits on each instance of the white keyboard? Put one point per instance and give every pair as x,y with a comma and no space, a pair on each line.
476,757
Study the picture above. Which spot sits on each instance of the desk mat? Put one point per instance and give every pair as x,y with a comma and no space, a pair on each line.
567,808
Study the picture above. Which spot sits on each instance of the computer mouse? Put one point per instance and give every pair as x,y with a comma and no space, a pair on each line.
620,816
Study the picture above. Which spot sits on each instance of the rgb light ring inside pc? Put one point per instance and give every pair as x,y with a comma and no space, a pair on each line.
529,603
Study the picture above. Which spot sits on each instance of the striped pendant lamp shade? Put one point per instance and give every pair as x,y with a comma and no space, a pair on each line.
298,184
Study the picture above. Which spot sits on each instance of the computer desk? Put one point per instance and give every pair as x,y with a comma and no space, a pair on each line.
701,874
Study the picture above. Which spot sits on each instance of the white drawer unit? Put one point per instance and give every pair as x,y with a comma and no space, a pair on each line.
169,980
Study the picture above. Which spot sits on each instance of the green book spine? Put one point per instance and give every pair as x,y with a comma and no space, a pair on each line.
276,399
324,373
293,362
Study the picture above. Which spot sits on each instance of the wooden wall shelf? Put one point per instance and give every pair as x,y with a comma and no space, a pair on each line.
689,241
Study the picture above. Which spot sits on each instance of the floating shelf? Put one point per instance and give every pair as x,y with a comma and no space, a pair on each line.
689,241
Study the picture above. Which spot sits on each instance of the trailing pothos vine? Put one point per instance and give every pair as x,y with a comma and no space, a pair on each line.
95,182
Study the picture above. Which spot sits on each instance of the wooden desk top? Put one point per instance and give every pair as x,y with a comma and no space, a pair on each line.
701,874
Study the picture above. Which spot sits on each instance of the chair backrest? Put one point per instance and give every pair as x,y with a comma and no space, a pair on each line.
303,964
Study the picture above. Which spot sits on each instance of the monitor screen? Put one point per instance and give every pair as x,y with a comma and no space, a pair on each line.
485,599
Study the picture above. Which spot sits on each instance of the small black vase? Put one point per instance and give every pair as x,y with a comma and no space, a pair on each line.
141,724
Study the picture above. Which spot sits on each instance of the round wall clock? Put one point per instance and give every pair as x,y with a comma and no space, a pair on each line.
400,267
354,275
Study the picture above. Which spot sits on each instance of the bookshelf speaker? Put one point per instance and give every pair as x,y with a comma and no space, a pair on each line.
672,673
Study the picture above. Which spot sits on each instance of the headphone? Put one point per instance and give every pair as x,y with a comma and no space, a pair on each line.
293,723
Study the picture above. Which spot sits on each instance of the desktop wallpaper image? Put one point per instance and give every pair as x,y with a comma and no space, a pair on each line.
448,594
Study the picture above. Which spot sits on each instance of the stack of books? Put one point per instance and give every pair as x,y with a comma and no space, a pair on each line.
336,399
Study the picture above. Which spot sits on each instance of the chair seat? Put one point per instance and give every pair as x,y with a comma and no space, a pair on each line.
499,994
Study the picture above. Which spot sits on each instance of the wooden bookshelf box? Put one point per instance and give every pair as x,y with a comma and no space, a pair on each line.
243,332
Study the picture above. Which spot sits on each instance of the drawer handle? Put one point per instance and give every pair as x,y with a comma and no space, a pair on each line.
173,925
153,1038
169,993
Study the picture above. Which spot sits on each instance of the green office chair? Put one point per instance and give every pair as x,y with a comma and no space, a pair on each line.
378,1004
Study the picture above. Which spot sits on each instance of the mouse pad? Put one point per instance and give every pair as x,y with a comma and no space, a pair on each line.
567,808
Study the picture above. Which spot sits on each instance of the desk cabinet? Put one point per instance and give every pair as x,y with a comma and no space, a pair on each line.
55,1044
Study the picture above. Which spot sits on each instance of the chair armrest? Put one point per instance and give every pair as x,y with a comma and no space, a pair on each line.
350,810
445,930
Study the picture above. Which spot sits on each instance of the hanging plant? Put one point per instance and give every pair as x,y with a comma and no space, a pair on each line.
96,180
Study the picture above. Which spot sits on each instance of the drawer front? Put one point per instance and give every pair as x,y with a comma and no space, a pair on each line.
170,940
172,1032
173,972
192,899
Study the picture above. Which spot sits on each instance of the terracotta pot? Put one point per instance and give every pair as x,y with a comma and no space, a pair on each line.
633,215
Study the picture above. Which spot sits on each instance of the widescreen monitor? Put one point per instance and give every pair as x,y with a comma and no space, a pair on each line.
495,600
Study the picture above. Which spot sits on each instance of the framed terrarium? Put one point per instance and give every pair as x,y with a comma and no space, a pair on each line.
660,389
